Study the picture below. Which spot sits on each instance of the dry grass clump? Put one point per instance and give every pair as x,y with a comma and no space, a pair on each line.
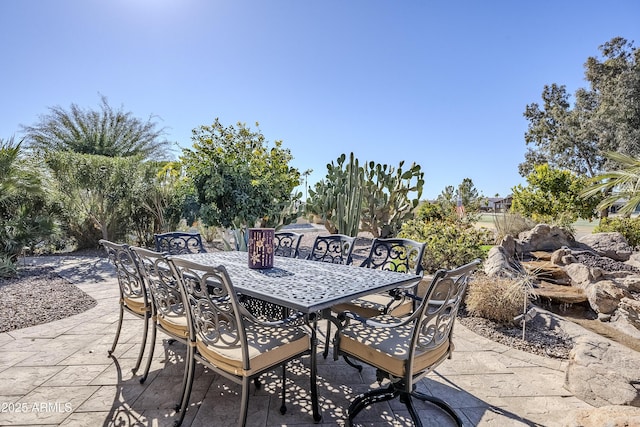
497,298
511,224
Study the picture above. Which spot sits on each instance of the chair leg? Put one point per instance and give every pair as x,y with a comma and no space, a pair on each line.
352,363
143,378
327,339
190,367
115,340
369,398
144,342
406,399
439,403
244,406
283,406
257,383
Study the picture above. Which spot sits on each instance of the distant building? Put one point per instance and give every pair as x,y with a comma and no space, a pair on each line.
497,204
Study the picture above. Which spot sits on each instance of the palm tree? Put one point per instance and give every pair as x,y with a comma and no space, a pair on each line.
109,132
24,216
623,183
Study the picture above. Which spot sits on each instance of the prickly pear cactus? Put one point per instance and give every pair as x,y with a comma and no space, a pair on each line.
391,195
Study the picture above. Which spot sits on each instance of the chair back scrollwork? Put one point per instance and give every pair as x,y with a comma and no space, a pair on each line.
163,286
213,306
436,314
176,243
129,278
334,248
287,243
401,255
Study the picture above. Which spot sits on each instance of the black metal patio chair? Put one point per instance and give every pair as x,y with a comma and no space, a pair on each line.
179,242
134,298
405,349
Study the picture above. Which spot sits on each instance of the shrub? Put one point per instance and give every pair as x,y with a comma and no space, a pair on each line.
7,267
449,244
497,298
511,224
628,227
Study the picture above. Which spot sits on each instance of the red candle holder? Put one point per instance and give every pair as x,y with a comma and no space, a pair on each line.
260,247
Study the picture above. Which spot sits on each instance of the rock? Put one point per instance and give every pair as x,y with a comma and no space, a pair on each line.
541,255
509,244
560,294
629,309
545,238
545,270
611,244
603,373
558,256
628,281
498,263
605,416
634,260
605,295
581,275
604,317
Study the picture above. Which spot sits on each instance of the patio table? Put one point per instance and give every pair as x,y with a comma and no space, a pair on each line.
310,287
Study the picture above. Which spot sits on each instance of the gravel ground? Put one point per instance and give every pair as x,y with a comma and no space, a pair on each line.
39,296
538,338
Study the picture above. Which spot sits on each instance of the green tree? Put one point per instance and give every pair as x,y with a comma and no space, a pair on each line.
605,117
464,194
100,194
553,196
108,132
27,214
239,180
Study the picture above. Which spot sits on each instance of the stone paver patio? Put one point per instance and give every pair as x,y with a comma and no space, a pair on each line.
59,374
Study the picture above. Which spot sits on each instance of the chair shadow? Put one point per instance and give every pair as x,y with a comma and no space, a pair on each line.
336,397
150,403
338,384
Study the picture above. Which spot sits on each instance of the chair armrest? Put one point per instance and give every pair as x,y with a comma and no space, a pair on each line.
346,316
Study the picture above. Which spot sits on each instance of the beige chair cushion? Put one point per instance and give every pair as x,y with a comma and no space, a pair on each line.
174,325
136,305
388,348
267,347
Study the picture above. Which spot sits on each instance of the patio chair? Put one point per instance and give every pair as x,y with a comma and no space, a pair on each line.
401,255
404,350
178,242
334,248
133,294
396,254
287,244
169,315
228,339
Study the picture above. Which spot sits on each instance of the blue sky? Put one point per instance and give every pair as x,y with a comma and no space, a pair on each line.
442,84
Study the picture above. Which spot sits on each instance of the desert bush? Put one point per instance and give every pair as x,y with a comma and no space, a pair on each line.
449,243
628,227
8,268
511,224
497,298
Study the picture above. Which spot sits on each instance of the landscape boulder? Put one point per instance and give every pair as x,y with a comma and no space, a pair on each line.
544,237
605,416
612,245
602,372
499,263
